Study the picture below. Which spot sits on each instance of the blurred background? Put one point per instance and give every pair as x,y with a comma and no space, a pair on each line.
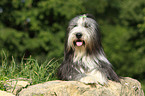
37,28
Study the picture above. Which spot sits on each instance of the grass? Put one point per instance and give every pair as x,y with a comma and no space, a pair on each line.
143,85
28,68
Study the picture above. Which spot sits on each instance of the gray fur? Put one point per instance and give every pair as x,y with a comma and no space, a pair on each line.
86,63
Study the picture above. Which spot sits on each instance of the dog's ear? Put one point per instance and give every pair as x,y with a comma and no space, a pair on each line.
90,16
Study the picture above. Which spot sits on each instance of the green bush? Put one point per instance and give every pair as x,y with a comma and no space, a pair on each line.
30,27
37,28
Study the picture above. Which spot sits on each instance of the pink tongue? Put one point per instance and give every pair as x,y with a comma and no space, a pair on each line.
79,43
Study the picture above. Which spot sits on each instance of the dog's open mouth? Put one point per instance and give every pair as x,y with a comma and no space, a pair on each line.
79,43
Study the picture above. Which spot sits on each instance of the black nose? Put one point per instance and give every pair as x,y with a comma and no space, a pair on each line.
79,35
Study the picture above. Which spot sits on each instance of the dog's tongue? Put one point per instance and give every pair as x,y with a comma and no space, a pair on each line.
79,43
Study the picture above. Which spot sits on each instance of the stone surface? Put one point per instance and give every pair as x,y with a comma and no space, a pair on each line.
4,93
15,85
127,87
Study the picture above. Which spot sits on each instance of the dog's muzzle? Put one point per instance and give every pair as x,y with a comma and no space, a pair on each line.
79,41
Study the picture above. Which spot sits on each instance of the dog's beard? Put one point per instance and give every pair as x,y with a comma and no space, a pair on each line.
81,47
74,42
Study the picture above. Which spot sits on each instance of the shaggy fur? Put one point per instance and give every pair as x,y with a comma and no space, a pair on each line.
84,58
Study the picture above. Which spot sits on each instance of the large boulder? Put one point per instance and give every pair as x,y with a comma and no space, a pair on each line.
127,87
16,85
4,93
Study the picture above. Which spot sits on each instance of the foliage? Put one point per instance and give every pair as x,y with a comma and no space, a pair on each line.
37,28
122,56
28,27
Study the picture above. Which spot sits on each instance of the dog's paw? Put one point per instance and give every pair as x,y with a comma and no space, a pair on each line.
88,80
93,80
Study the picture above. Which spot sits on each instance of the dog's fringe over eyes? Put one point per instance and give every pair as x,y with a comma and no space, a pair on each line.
84,58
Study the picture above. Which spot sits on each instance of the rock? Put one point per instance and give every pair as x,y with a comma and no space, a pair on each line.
127,87
15,85
4,93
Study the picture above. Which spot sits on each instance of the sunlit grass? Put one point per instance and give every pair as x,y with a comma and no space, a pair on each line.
28,68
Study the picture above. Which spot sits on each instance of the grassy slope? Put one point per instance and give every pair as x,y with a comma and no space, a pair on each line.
28,68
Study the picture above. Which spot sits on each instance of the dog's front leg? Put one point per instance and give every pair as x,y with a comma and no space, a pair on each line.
94,76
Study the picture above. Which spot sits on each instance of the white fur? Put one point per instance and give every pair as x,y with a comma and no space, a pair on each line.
93,75
80,28
84,57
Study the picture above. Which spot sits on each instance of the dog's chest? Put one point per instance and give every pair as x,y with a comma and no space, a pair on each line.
85,63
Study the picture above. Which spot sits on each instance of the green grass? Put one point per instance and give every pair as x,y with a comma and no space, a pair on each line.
28,68
143,85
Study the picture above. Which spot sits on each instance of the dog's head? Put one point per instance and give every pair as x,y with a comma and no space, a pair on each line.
83,32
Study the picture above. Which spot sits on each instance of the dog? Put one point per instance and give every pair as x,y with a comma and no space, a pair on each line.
84,58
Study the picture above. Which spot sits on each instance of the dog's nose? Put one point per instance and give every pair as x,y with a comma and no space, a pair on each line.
79,35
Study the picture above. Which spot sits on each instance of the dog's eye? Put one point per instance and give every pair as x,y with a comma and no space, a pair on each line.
75,25
86,25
